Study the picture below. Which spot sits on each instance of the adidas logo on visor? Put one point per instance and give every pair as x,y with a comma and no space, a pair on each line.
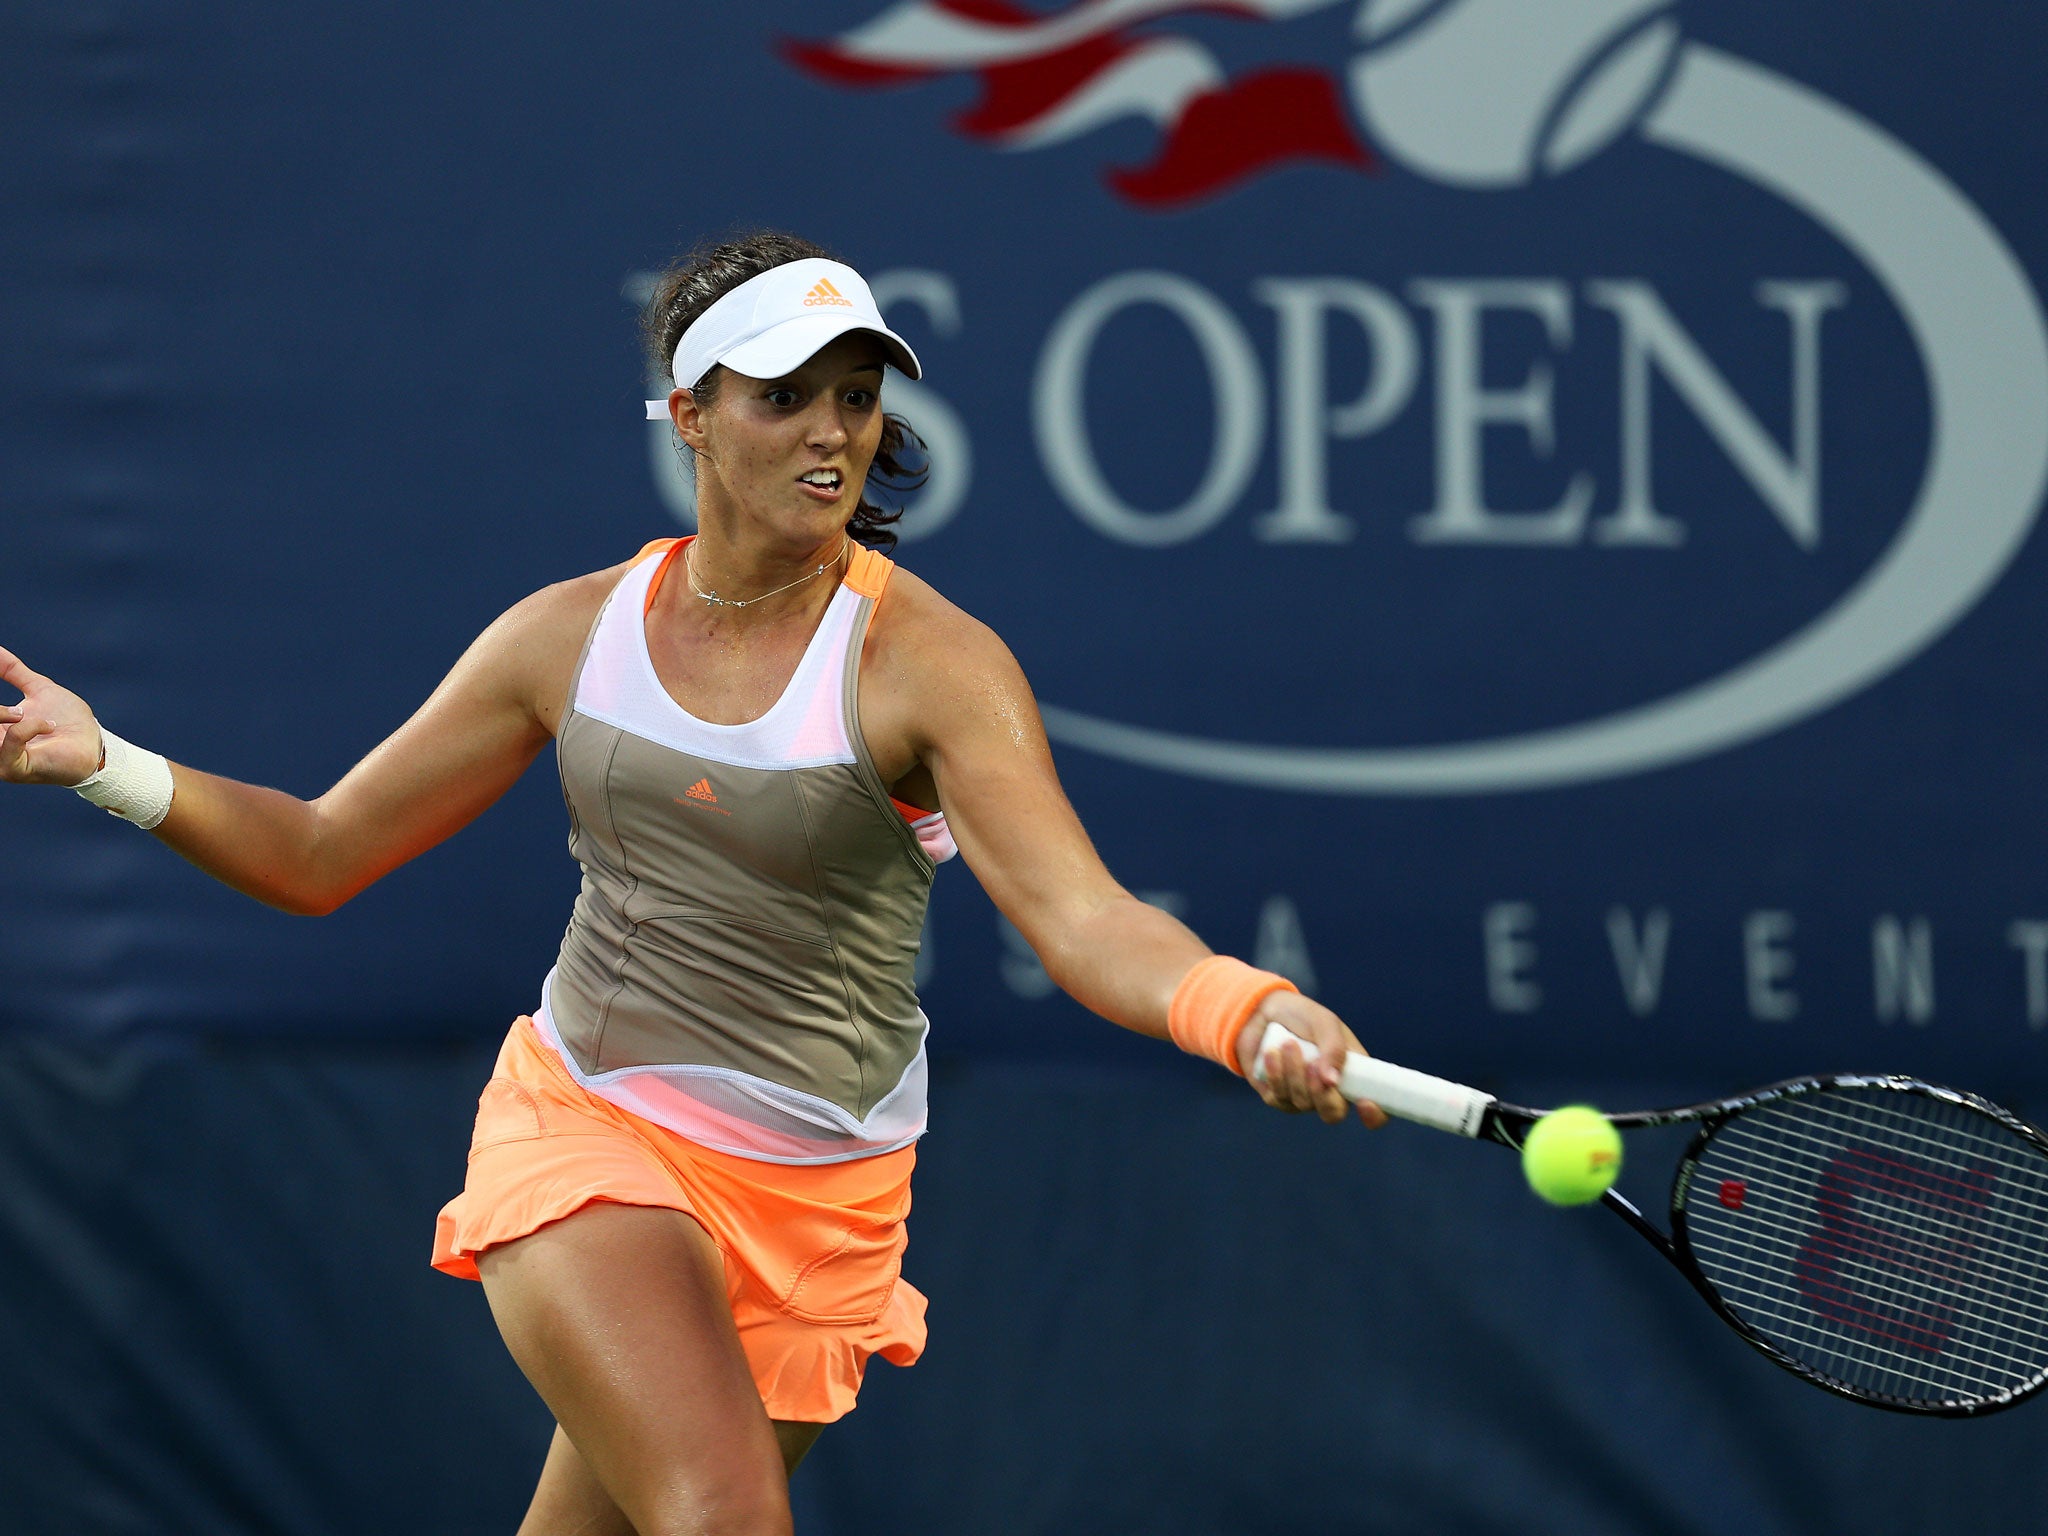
825,293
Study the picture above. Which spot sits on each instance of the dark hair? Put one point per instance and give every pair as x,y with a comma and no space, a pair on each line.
697,281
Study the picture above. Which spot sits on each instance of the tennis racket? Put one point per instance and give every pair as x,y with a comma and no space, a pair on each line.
1881,1237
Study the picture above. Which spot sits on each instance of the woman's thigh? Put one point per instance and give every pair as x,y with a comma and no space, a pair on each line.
619,1317
570,1501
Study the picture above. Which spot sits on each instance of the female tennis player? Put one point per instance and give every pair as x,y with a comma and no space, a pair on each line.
691,1167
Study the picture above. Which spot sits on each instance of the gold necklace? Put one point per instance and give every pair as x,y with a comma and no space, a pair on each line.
690,572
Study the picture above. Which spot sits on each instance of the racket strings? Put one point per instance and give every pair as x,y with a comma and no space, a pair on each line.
1974,1136
1927,1360
1889,1285
1888,1240
1991,1303
1961,1197
1904,1246
1852,1277
1909,1356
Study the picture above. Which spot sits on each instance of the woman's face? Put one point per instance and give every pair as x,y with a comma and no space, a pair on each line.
792,452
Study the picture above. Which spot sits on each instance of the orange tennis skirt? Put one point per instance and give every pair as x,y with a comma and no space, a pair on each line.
812,1252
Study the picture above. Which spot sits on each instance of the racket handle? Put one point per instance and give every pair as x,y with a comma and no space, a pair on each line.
1400,1091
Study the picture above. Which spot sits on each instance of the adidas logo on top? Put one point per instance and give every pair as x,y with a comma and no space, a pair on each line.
825,293
701,790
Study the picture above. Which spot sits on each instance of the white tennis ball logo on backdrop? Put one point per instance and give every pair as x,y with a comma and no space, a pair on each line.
1490,93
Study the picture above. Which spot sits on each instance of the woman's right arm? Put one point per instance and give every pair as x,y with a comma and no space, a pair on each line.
466,746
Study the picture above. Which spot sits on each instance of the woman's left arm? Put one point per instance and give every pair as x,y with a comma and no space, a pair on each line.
978,731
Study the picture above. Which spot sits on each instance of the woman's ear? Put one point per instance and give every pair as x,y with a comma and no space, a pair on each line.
688,416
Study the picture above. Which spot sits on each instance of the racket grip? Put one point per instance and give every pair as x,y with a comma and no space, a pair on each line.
1400,1091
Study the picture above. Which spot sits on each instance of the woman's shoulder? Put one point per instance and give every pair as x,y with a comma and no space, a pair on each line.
530,650
533,638
912,606
573,602
920,629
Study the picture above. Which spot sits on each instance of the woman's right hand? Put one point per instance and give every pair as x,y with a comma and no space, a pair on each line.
51,736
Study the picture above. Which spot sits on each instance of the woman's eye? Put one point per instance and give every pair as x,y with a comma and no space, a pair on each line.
860,399
782,399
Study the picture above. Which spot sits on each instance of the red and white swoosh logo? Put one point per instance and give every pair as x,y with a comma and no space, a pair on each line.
1050,78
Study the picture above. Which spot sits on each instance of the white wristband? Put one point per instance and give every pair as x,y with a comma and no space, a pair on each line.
134,785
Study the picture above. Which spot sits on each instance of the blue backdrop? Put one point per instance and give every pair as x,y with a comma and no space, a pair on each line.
1521,516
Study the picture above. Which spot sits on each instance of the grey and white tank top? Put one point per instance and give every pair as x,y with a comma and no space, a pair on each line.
738,964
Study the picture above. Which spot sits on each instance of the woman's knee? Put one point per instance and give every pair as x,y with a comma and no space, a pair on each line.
739,1506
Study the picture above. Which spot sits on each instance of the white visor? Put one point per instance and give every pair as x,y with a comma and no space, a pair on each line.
772,324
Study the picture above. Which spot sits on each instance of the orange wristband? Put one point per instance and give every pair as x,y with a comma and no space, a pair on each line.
1214,1002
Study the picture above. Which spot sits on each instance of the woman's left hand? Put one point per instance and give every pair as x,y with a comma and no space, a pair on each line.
1293,1083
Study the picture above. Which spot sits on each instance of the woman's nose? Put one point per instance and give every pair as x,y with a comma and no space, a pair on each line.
827,430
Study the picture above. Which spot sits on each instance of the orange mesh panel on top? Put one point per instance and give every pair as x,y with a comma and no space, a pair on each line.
867,572
660,571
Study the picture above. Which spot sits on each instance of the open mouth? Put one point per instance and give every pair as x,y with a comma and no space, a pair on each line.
825,481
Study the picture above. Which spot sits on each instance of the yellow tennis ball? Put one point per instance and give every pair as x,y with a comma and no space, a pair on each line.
1571,1155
